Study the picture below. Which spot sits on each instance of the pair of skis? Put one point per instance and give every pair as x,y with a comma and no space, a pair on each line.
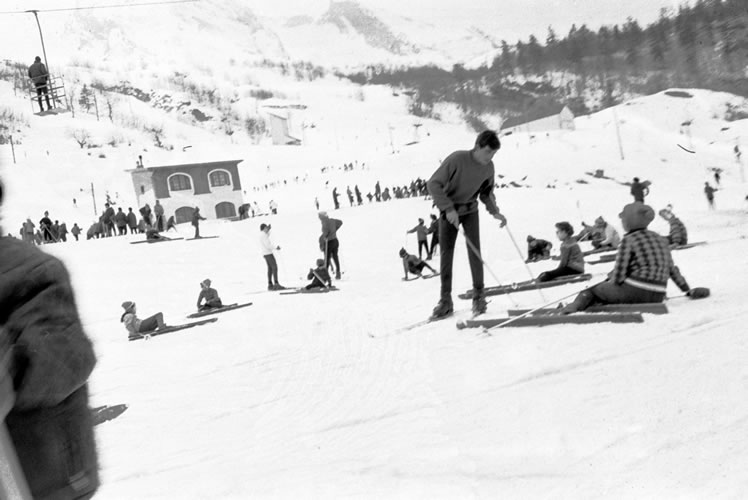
199,314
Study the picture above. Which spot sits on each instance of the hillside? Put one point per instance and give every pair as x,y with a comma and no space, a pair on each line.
295,396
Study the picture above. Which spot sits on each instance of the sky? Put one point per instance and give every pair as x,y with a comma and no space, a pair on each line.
508,19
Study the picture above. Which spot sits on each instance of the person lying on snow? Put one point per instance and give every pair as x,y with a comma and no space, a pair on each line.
319,276
572,260
413,264
152,234
137,327
210,295
643,266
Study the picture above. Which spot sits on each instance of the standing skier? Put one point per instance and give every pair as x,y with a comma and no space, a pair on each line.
268,248
709,192
434,232
455,187
422,233
328,241
196,218
639,189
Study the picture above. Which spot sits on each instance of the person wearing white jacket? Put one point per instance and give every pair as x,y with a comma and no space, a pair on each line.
267,247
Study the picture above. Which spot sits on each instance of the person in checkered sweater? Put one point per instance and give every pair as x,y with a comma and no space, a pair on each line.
642,269
678,234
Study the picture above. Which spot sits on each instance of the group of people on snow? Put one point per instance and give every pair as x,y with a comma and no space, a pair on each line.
643,261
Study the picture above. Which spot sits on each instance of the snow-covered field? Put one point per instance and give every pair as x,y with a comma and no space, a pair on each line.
325,396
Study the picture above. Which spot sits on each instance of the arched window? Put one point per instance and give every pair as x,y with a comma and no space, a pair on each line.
219,178
225,209
184,214
180,182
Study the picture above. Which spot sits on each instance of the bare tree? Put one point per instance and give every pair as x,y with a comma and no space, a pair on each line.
81,136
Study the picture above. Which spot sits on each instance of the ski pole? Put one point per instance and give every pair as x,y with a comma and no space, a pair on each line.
320,279
531,311
529,271
475,250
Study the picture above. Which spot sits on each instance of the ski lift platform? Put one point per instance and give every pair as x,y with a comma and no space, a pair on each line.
55,97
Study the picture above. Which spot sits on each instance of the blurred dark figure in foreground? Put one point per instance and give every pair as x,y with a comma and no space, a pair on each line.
47,358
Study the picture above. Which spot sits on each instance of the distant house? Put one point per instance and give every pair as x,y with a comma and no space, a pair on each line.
542,116
214,187
279,130
281,113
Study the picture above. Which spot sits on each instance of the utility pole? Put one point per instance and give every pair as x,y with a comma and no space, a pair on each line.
93,197
618,133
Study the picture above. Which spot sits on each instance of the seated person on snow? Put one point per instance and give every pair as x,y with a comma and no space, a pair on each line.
320,276
538,249
678,234
413,264
571,261
604,235
585,234
642,269
212,300
152,234
135,326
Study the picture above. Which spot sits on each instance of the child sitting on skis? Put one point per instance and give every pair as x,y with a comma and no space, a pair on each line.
210,295
413,264
572,261
135,326
319,276
642,269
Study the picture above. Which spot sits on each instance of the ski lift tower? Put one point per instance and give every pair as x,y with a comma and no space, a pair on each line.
55,95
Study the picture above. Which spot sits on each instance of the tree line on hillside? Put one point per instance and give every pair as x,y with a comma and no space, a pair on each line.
703,45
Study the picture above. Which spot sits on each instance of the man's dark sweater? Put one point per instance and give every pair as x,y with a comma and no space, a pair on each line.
459,181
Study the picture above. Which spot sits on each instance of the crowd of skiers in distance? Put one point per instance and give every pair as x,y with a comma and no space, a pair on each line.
110,223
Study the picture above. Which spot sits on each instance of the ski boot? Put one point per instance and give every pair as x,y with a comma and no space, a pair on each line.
443,309
479,302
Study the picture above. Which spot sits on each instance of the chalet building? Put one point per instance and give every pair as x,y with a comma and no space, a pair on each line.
214,187
540,117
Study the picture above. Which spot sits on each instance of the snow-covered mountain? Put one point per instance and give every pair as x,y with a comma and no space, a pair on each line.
346,35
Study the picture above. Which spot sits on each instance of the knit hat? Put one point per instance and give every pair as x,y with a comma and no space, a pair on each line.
205,282
665,213
128,305
600,221
636,215
403,252
264,226
530,238
565,227
320,262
